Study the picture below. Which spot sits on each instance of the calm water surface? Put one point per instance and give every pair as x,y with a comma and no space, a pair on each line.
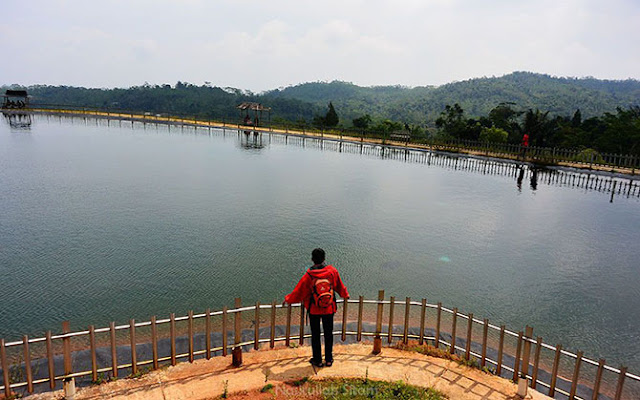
105,223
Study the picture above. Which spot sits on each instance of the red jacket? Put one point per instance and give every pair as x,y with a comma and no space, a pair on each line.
303,290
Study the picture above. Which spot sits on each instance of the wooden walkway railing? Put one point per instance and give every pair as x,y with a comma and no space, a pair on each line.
626,163
596,180
473,340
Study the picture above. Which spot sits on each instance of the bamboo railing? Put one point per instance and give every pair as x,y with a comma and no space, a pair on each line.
626,163
471,339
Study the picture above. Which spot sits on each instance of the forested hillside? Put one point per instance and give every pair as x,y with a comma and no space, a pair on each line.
423,105
416,106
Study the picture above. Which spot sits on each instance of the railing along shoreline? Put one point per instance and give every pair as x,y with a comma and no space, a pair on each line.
520,368
545,155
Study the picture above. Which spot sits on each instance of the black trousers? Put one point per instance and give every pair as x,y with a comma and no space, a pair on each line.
327,327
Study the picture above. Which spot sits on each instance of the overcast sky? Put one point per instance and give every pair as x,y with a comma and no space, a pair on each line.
259,45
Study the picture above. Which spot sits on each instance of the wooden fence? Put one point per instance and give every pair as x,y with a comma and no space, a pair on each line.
549,369
627,163
602,181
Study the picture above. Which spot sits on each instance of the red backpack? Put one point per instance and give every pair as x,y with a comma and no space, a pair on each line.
322,292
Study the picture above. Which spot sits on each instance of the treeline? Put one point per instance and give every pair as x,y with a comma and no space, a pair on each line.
483,108
617,132
183,98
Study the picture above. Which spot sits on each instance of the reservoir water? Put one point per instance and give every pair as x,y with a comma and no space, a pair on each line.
101,223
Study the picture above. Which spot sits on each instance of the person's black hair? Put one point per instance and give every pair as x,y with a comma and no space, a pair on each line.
317,256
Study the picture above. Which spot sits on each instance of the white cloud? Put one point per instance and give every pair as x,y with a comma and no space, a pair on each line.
262,45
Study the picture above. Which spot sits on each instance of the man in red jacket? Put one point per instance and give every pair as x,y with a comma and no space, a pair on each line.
316,290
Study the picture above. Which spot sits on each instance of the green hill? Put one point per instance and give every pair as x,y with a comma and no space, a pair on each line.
560,96
419,105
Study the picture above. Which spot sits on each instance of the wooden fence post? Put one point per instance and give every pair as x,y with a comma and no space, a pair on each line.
287,340
50,365
154,342
407,309
485,334
360,310
554,371
66,348
452,348
224,331
423,313
5,370
256,332
344,319
576,375
467,350
132,337
377,340
272,337
536,363
500,351
391,306
207,329
596,383
237,349
438,318
621,376
516,364
172,333
27,363
190,333
94,361
301,330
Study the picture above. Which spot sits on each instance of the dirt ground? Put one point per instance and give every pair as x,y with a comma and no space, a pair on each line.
209,379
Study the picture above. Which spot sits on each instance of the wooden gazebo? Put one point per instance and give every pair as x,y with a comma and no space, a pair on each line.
245,113
15,99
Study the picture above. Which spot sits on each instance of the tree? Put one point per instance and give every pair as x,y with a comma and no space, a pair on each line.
451,121
503,116
331,119
362,122
494,135
538,126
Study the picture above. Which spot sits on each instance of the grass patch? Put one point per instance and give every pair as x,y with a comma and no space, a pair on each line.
358,389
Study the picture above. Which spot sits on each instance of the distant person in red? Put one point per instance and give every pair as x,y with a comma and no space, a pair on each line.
316,290
525,144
